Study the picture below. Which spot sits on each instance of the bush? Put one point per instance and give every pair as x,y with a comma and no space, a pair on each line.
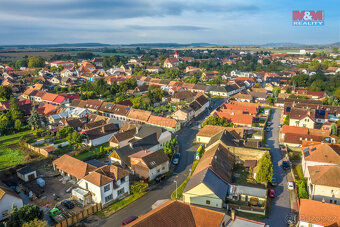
138,187
302,192
24,214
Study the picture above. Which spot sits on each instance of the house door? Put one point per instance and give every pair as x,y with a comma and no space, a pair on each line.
31,177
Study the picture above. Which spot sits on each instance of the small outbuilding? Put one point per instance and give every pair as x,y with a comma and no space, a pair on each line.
27,173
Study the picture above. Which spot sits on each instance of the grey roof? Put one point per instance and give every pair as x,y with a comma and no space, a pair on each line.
195,105
186,109
225,137
96,163
134,147
155,159
25,170
247,190
211,180
146,130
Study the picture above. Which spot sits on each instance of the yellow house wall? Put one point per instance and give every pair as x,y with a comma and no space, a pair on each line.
200,194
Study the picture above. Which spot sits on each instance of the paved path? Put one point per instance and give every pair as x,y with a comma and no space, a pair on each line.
280,206
164,189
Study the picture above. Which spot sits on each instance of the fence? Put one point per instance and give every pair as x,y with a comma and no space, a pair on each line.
37,150
79,216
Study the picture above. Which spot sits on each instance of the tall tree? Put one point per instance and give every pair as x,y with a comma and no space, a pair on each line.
334,129
5,93
34,119
24,214
265,172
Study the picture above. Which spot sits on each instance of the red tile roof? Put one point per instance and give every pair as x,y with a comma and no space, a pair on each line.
59,99
49,97
294,129
237,118
316,212
162,121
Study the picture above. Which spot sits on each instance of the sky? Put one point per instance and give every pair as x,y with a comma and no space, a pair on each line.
221,22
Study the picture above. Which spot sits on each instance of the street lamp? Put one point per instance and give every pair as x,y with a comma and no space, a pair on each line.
176,188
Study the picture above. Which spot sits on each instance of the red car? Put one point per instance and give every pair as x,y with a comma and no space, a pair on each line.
271,193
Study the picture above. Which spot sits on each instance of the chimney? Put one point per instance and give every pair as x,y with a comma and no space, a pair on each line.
103,129
233,216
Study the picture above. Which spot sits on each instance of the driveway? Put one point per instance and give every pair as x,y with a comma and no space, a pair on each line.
163,190
280,206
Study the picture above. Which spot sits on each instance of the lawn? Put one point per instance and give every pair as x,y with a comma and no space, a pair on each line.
12,139
298,173
11,153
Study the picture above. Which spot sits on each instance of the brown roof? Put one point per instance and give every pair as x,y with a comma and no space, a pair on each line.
121,136
140,115
121,110
49,97
323,152
210,130
73,166
184,95
294,129
325,175
162,121
151,159
101,131
174,213
299,113
298,138
315,212
97,179
219,160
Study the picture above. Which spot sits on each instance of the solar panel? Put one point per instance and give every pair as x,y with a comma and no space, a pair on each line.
313,149
307,154
306,149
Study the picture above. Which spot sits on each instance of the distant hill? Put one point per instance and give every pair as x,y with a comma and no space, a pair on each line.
59,45
163,45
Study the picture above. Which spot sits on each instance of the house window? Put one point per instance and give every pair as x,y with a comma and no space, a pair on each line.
122,180
334,201
108,198
158,170
106,188
163,168
207,202
120,191
331,201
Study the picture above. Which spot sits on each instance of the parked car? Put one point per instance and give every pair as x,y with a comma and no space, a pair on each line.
267,129
176,158
68,204
290,185
285,165
282,146
129,220
271,193
273,182
160,177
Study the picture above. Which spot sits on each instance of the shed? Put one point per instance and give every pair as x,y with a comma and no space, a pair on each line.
27,173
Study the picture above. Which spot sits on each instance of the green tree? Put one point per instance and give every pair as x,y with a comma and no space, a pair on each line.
334,129
337,93
17,124
15,110
288,90
35,223
75,138
36,62
266,61
215,120
24,214
5,124
5,93
302,191
34,119
286,120
64,131
276,91
265,172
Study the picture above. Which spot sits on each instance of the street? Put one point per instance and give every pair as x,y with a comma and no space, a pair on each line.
164,189
280,206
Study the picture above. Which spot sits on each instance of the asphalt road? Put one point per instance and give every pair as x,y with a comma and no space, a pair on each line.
164,189
280,206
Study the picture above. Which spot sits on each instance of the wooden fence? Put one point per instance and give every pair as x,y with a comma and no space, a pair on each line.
79,216
37,150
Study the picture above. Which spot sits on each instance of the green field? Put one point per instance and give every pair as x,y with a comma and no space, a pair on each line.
11,153
112,54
